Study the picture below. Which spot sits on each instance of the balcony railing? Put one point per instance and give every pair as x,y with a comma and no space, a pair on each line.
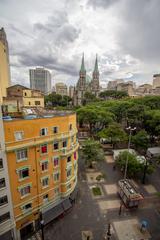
67,151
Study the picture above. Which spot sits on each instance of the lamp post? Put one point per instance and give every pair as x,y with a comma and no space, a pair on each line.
42,228
126,163
129,142
145,170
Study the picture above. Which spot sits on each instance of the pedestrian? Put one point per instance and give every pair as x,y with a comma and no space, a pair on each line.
114,167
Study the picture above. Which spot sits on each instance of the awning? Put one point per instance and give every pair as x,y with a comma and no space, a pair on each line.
52,213
66,204
73,195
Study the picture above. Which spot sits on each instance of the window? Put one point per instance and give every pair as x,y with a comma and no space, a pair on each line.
19,135
25,94
45,198
64,143
37,103
4,217
2,183
45,182
70,127
69,159
43,131
55,129
1,163
3,200
69,172
56,176
55,145
56,161
22,155
23,173
44,148
29,103
75,155
45,166
27,207
25,190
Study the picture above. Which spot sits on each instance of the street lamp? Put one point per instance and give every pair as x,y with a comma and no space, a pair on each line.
145,170
129,142
126,164
42,228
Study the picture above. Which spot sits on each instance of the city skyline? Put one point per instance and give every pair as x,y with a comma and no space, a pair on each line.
54,35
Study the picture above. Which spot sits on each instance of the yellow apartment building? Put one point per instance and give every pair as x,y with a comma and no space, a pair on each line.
42,156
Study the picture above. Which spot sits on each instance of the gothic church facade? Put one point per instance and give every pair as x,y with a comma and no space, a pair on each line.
83,85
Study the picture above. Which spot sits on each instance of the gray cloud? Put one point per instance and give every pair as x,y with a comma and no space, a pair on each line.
139,34
48,61
102,3
57,28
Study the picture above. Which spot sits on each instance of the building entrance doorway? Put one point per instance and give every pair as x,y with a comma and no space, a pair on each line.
27,231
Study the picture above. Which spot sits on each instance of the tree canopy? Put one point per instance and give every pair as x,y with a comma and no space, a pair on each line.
55,100
92,151
114,132
113,94
134,167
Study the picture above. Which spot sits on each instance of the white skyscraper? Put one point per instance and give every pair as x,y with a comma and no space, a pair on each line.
40,79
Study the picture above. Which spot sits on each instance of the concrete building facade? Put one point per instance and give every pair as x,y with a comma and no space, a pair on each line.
61,89
42,159
40,79
156,80
4,65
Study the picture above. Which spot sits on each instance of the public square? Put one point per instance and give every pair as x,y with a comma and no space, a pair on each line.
91,215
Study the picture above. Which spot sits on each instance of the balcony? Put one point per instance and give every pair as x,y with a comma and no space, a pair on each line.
68,151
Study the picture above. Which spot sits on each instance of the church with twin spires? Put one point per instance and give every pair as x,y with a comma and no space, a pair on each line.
85,85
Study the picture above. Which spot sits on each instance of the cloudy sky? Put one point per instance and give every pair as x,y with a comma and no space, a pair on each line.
50,33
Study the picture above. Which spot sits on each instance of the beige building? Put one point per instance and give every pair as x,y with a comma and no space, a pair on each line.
19,96
127,87
144,89
156,80
71,91
112,85
4,65
61,89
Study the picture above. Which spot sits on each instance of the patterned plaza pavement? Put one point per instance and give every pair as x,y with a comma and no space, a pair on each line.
91,215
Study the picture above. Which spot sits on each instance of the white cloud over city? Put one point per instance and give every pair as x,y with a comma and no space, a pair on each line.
124,33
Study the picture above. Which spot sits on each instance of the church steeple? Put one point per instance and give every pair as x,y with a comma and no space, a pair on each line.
82,70
95,78
96,66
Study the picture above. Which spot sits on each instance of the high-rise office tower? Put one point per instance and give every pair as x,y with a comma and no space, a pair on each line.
4,64
40,79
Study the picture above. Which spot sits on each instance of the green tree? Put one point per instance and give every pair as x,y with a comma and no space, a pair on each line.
113,94
135,167
113,133
141,140
55,100
96,118
92,151
89,98
152,122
